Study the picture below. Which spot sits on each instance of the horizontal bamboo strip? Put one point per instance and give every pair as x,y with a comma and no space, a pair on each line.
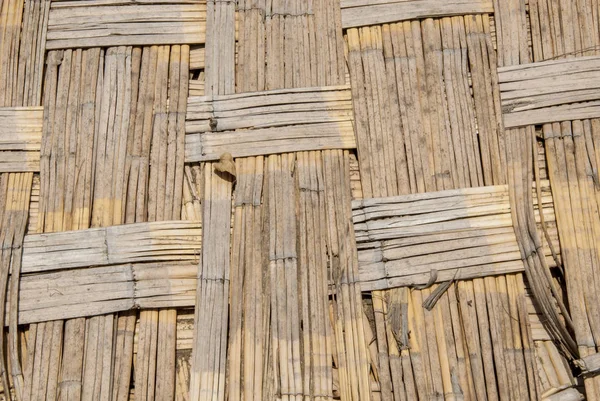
550,91
129,243
569,394
244,143
590,364
266,109
437,236
268,122
197,58
357,13
90,23
100,290
20,138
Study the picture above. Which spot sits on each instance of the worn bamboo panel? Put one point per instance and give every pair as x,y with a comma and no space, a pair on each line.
357,13
20,138
294,359
93,23
521,153
413,78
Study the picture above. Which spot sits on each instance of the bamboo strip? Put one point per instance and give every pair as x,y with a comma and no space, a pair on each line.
364,12
114,23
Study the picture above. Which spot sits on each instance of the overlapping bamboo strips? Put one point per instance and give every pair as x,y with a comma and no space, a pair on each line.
20,138
564,31
513,49
22,43
420,70
92,23
109,152
298,350
357,13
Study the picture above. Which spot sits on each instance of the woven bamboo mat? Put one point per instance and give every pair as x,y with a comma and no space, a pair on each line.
387,200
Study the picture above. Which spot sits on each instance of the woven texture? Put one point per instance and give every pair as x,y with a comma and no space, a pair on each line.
387,200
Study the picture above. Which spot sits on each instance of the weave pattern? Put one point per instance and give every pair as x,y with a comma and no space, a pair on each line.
354,200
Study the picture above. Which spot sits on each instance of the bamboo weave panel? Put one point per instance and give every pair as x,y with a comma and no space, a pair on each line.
277,121
93,23
20,138
550,91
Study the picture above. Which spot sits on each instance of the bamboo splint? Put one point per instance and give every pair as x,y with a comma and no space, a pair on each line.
414,240
550,91
20,138
269,122
357,13
93,23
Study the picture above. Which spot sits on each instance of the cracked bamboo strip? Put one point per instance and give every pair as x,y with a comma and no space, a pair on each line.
207,376
209,356
20,138
16,192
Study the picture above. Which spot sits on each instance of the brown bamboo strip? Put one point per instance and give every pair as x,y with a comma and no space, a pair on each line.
363,12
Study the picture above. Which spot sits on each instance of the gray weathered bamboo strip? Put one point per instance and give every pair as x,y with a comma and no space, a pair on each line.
317,118
197,58
114,23
20,138
130,243
357,13
532,94
209,146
